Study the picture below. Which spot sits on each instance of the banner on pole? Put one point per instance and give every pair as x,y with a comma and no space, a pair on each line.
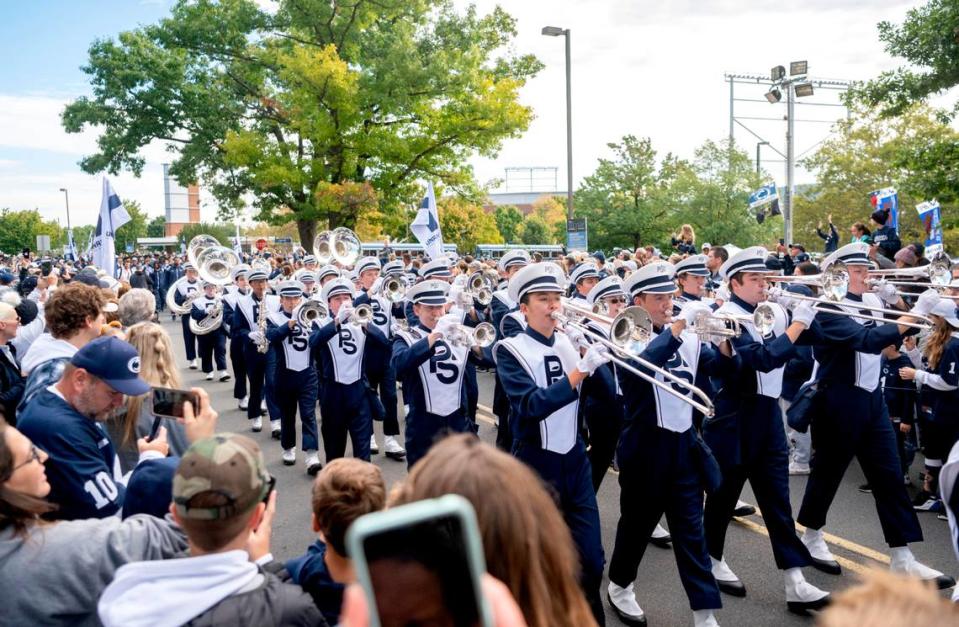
886,199
112,217
930,214
763,199
426,225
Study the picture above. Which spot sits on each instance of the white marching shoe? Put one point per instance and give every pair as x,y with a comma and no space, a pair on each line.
289,456
726,579
822,558
225,376
704,618
802,596
257,425
798,468
210,375
623,602
660,537
194,364
313,464
393,449
374,447
275,429
902,561
245,402
743,509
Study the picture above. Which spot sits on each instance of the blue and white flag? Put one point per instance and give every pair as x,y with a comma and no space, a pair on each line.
112,217
759,199
931,216
886,199
71,252
426,225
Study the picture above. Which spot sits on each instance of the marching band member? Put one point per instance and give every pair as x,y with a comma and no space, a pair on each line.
501,306
212,345
294,380
432,369
308,279
438,269
747,434
856,423
582,279
184,290
541,372
326,274
249,330
380,372
345,399
309,262
232,294
691,275
939,390
663,464
602,401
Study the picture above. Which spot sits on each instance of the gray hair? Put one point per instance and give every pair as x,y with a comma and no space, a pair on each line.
137,305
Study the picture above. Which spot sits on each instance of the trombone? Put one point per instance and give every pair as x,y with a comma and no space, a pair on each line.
723,326
628,333
939,273
834,282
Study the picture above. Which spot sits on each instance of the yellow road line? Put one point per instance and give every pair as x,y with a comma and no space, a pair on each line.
848,564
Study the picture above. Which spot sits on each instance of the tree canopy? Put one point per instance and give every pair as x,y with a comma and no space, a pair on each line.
278,107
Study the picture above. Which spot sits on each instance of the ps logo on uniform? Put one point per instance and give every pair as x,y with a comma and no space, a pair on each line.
134,365
554,369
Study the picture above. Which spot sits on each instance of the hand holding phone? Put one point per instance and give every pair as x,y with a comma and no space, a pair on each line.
199,417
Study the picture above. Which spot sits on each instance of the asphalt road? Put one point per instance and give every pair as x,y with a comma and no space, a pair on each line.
857,540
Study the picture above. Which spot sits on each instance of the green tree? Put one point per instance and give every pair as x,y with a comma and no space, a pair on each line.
274,105
712,193
156,227
466,225
19,230
624,199
132,230
535,230
81,236
508,218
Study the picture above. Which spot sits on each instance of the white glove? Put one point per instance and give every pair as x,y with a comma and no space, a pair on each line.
692,310
781,296
925,303
445,324
804,313
722,293
886,292
577,337
346,310
456,294
256,337
596,356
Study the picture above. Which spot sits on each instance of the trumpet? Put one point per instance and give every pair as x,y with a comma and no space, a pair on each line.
481,336
835,283
628,334
340,245
362,315
309,312
476,286
722,326
391,288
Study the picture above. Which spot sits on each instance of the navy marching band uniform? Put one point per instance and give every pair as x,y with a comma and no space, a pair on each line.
246,323
184,290
230,298
212,345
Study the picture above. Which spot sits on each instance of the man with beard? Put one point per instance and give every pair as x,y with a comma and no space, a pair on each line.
64,420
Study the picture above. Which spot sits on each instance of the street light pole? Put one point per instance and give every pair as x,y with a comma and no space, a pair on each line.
66,198
555,31
790,165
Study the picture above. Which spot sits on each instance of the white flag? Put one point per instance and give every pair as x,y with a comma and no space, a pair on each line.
426,226
71,253
112,217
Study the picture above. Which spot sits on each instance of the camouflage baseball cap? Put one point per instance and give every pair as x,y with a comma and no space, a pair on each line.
220,477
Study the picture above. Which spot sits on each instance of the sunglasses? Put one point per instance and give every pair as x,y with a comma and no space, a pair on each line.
34,457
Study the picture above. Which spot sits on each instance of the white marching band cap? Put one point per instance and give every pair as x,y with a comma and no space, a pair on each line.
393,267
239,270
307,276
429,292
946,309
752,259
584,270
257,275
291,288
855,254
326,271
366,263
336,287
188,266
610,286
694,265
536,277
653,278
309,259
438,268
513,258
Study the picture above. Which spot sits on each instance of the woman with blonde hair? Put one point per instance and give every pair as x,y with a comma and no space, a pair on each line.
525,540
135,420
685,241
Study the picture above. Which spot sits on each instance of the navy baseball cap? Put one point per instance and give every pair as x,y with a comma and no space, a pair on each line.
114,361
150,488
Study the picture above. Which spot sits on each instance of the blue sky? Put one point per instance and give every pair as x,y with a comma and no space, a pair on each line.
652,69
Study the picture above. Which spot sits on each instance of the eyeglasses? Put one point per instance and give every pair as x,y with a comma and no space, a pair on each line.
34,457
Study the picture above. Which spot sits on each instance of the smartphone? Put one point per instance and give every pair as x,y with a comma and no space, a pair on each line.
421,564
169,403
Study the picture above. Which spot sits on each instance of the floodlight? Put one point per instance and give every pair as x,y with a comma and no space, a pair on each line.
798,67
803,90
774,95
777,73
553,31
